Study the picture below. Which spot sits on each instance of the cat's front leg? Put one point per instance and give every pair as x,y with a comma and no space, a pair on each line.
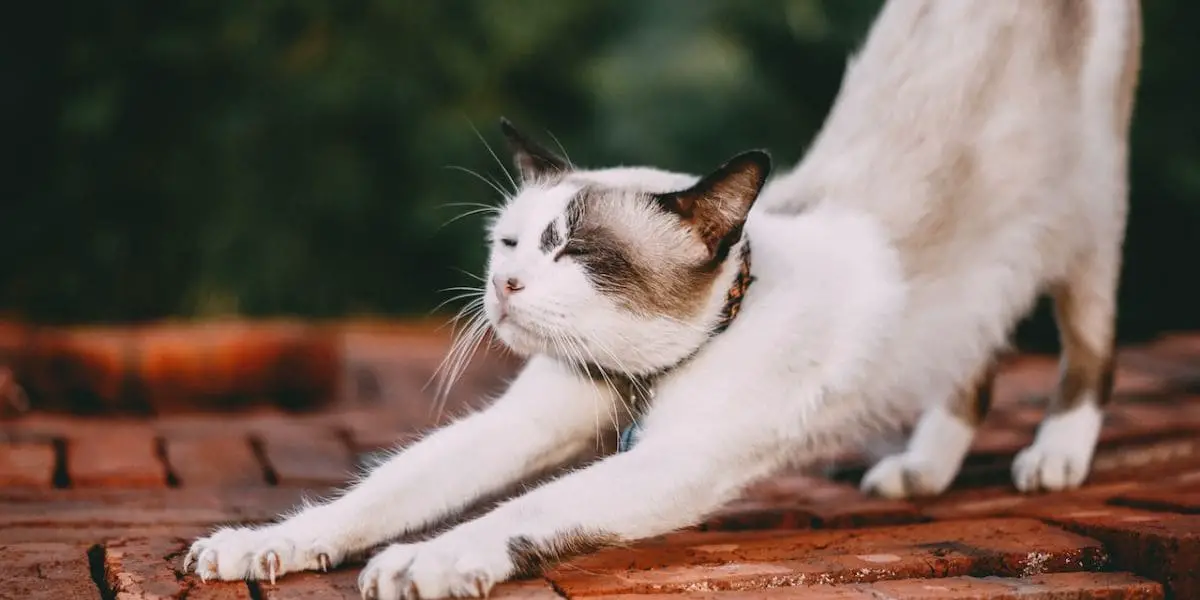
548,416
671,479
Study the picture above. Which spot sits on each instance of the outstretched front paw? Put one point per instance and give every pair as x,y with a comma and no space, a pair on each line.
438,568
234,553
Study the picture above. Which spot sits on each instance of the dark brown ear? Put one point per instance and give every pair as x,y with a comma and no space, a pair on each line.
533,161
717,206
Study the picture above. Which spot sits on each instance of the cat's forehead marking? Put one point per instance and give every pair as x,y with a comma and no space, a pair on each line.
551,236
532,209
635,252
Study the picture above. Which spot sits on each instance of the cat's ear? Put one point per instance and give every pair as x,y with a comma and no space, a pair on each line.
716,207
533,161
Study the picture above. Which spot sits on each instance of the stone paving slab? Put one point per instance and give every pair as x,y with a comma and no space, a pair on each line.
102,507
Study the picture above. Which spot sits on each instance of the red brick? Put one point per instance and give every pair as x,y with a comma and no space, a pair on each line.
867,512
80,369
1003,501
1184,498
66,534
123,457
972,504
210,365
1179,347
748,515
99,512
797,501
1162,546
752,561
132,507
307,460
1129,379
996,439
219,424
220,590
534,589
365,440
1146,460
214,461
46,571
44,427
142,568
1025,377
26,465
801,592
1170,360
1131,419
803,488
1053,586
341,583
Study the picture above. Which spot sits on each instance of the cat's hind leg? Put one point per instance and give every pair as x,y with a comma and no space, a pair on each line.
937,446
1085,310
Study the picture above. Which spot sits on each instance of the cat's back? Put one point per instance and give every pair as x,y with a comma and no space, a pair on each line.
967,127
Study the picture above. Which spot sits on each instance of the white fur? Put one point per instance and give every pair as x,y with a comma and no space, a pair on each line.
1061,454
547,416
927,467
880,290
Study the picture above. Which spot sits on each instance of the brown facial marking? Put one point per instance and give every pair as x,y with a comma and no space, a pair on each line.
530,558
640,281
972,404
671,276
550,238
534,162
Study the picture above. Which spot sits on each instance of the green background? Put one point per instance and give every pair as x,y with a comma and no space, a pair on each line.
201,158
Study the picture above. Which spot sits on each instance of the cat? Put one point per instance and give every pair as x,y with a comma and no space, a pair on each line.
733,325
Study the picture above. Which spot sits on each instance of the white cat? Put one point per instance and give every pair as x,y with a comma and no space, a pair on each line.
975,157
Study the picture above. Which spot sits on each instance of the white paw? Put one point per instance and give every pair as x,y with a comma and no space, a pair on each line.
934,455
1051,467
1061,455
266,553
906,475
438,568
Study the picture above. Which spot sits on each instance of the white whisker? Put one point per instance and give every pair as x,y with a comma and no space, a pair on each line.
494,157
566,156
495,186
477,211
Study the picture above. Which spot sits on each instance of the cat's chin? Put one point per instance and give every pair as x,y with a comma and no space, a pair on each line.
518,339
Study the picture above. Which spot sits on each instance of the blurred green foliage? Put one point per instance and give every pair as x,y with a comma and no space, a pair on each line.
290,157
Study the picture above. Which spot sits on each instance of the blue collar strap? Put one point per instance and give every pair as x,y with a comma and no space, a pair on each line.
640,389
629,436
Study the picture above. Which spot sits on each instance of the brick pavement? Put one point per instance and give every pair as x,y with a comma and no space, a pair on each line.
102,506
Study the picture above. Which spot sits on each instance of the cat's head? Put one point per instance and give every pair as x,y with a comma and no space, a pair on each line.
625,268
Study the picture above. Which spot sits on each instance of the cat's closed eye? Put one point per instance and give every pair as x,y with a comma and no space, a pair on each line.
508,242
573,249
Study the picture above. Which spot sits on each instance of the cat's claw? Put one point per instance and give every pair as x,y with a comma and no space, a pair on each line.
264,554
271,564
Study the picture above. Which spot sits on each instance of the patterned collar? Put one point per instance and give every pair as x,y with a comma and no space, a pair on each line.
638,390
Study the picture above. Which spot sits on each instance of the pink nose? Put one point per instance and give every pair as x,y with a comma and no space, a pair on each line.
506,286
